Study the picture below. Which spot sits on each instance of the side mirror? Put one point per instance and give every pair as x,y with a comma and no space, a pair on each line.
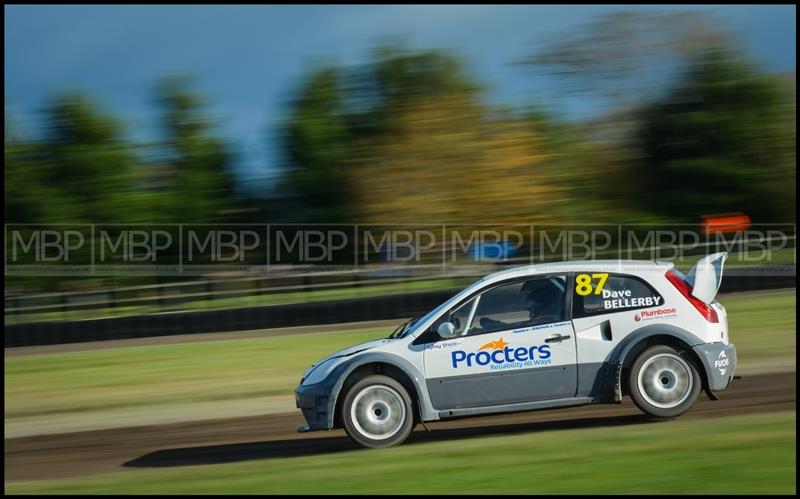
446,330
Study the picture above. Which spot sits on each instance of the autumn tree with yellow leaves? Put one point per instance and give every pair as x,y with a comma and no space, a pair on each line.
406,139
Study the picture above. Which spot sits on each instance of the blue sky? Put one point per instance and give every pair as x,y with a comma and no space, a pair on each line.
247,59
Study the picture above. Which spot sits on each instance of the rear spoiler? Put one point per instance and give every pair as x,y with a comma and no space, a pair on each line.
706,276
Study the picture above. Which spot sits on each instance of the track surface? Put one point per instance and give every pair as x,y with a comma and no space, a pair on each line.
274,436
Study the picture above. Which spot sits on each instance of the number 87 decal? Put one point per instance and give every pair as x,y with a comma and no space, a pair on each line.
583,283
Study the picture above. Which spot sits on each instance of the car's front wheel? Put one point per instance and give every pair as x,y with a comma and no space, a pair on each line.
377,412
664,382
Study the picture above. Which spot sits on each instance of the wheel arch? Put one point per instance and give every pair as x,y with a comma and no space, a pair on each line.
655,334
392,366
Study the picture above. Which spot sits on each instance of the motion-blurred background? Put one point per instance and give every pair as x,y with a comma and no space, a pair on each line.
414,115
390,114
421,118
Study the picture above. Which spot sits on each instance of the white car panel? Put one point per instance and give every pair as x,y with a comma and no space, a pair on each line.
468,374
514,349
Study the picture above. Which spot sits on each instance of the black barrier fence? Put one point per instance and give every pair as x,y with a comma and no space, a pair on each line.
299,314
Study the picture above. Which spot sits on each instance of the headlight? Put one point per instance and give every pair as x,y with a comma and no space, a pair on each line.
318,372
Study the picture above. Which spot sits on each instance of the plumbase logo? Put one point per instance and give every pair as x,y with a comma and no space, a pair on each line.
661,313
498,355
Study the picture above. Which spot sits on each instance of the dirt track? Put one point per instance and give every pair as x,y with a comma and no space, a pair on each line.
274,436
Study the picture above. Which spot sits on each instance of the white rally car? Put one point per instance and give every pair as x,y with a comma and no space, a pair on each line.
534,337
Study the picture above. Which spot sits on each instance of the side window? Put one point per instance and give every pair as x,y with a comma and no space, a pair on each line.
520,304
616,294
460,316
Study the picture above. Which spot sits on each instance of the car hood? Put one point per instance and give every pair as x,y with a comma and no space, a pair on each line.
356,348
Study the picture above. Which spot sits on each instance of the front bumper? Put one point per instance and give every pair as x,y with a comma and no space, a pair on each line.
314,402
719,361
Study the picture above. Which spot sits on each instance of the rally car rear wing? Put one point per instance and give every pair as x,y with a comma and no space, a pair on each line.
706,276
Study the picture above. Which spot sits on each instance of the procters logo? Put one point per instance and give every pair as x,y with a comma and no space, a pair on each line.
499,355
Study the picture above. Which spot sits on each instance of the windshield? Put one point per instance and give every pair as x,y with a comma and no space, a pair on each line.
402,328
443,306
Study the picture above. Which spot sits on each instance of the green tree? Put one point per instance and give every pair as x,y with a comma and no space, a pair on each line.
722,141
81,171
194,175
318,140
24,187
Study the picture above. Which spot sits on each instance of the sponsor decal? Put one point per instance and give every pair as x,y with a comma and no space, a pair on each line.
613,300
722,363
659,313
498,354
583,283
493,345
442,344
538,328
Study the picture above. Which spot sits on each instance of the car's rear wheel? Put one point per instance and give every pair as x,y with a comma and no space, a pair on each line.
664,381
377,412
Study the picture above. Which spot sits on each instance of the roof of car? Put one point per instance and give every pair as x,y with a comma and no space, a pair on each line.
621,266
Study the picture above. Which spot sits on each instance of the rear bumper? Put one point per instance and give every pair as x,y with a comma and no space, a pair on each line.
719,361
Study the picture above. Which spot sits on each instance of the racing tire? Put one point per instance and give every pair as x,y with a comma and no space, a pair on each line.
664,382
377,412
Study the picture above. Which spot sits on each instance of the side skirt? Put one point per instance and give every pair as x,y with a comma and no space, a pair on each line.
519,407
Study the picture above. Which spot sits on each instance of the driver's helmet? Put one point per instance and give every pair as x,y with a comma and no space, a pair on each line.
541,295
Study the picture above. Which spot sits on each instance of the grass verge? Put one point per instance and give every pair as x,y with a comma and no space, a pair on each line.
737,454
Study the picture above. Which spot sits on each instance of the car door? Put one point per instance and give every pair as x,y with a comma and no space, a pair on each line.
606,307
503,353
